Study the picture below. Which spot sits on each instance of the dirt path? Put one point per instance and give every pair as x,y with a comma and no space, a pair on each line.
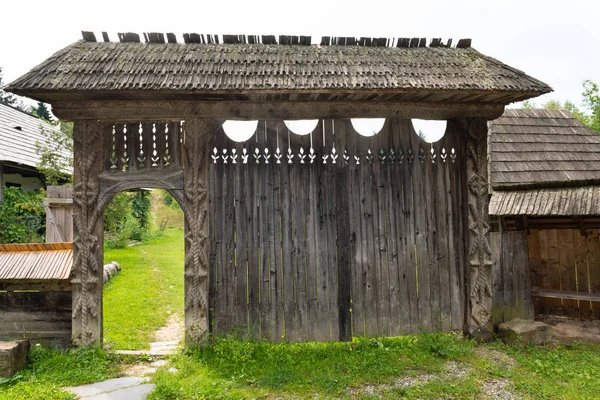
167,340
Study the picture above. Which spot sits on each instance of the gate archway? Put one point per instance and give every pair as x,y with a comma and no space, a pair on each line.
100,85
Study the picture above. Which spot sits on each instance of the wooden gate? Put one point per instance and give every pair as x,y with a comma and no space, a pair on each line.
332,234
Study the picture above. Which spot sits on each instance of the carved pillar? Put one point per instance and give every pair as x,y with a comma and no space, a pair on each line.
479,250
197,136
88,235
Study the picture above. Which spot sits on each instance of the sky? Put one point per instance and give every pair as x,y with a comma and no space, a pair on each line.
556,42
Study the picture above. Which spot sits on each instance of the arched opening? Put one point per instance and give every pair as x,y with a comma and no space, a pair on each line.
143,301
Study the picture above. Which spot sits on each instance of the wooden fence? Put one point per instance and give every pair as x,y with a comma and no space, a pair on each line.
511,292
59,214
565,266
340,235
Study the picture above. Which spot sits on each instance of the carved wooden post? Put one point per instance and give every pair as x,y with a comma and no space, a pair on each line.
479,249
88,235
198,134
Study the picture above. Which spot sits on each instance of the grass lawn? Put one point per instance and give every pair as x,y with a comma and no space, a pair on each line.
140,298
437,366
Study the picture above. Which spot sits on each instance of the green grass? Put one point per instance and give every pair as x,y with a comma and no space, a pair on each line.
49,370
139,299
233,368
567,372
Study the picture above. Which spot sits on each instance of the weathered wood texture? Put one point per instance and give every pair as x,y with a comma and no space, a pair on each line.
511,281
565,260
42,317
59,214
196,139
88,234
323,251
479,250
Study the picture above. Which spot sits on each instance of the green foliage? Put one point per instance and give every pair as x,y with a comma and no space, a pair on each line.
140,208
8,98
127,218
49,370
53,162
139,299
22,216
591,100
41,111
528,104
568,372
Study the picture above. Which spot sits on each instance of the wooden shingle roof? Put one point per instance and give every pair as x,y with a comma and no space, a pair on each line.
576,201
543,163
36,261
542,148
252,71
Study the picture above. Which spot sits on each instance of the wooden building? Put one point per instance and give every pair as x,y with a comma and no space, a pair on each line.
36,292
315,237
19,133
545,175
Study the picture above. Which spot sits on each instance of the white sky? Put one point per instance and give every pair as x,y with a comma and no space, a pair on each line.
557,42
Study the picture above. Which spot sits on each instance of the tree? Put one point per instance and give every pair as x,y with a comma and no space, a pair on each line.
10,99
41,111
53,162
591,99
5,97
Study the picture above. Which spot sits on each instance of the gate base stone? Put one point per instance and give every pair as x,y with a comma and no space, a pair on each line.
13,356
520,332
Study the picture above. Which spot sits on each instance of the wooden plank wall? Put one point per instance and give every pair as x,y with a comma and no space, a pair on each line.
511,291
565,260
324,251
59,214
42,317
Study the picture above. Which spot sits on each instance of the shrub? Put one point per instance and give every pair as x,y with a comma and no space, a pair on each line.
127,218
22,216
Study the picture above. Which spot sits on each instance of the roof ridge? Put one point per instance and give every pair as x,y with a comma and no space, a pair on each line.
301,40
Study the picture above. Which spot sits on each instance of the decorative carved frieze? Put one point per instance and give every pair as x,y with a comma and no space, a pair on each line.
479,251
87,243
196,139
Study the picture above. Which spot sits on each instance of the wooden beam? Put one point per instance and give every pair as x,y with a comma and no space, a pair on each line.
247,110
564,294
479,253
88,234
198,135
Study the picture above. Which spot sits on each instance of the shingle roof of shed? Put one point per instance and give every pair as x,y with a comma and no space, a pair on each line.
209,68
542,148
36,261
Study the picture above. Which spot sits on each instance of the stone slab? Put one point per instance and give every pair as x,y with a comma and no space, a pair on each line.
13,357
110,385
139,392
520,332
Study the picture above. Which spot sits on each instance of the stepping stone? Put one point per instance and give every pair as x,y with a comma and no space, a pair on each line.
520,332
132,393
13,357
113,389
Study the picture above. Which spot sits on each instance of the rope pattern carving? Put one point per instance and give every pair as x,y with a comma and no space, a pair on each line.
480,252
86,266
196,216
